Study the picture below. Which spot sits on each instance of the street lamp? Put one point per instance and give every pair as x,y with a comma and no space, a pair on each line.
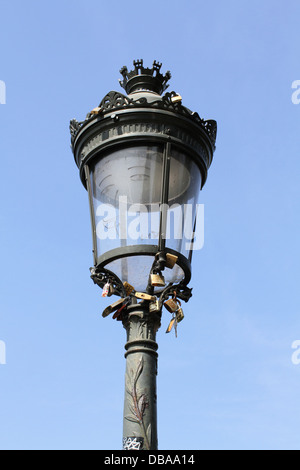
143,158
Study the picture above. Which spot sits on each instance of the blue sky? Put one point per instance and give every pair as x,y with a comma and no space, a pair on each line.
227,381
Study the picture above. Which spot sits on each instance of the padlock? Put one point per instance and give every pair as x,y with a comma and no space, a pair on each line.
171,260
96,110
111,308
142,295
179,315
106,290
171,305
154,307
119,313
128,288
157,280
171,324
176,98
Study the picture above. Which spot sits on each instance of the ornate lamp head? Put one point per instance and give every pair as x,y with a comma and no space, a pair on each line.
142,78
141,154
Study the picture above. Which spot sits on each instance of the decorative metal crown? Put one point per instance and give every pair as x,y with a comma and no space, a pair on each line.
142,78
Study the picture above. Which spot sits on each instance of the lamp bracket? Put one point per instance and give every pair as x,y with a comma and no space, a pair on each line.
181,290
102,276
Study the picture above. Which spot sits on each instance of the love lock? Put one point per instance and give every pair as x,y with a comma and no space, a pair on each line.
118,314
106,290
157,280
171,305
171,324
128,288
174,306
111,308
154,307
179,315
143,296
171,260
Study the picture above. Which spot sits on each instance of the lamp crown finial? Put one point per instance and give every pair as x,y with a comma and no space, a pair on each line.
142,78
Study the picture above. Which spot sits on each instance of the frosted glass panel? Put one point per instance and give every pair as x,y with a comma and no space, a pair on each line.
181,217
126,190
134,173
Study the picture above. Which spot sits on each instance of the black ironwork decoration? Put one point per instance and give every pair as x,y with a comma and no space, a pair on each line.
103,277
144,78
74,128
182,291
115,101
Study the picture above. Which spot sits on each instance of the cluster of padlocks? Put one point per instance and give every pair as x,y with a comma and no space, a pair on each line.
172,305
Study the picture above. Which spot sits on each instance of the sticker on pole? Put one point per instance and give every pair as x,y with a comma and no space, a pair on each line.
133,443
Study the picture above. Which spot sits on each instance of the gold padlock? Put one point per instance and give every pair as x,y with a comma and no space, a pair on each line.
171,260
128,288
142,295
171,324
157,280
171,305
96,110
179,315
176,98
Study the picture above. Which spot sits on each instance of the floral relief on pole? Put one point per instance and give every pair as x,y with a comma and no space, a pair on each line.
140,329
139,405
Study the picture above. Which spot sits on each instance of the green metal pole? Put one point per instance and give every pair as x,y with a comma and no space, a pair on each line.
140,403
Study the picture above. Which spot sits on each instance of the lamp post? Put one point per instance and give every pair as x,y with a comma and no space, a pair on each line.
143,158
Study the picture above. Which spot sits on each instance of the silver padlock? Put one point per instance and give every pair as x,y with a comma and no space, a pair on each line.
154,307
